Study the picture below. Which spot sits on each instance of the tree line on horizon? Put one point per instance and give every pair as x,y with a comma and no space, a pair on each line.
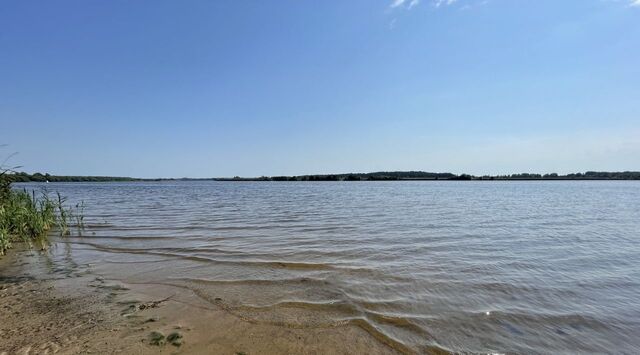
39,177
374,176
422,175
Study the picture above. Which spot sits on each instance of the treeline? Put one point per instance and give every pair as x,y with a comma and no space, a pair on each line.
589,175
38,177
375,176
422,175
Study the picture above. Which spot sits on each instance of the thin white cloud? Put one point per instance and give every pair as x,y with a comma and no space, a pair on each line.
397,3
470,6
408,4
630,3
438,3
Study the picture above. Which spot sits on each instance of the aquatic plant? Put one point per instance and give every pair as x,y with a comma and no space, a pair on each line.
29,217
79,216
63,215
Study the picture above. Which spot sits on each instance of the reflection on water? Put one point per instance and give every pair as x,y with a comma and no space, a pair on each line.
524,267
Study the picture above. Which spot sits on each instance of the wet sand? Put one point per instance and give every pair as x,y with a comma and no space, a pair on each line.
497,267
48,308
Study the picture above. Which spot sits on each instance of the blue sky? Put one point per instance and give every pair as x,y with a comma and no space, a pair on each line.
224,88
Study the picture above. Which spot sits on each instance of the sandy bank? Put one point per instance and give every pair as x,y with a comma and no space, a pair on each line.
50,307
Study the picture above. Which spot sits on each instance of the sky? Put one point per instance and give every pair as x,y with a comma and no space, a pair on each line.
288,87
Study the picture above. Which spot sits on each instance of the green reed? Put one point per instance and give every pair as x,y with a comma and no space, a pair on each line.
79,216
63,215
29,217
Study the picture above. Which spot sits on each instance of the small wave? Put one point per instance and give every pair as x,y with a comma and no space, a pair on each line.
174,254
296,281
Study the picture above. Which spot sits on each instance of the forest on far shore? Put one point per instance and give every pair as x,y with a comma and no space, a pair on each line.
375,176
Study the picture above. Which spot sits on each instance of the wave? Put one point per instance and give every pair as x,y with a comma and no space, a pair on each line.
174,254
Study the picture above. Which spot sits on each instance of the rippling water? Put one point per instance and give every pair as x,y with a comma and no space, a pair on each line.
514,267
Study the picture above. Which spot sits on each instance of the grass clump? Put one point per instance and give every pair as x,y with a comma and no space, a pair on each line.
30,218
25,217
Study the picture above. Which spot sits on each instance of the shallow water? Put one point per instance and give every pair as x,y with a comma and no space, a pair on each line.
511,267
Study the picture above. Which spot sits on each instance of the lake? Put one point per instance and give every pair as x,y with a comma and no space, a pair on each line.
488,267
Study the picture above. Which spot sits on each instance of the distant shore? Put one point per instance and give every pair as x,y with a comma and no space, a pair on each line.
375,176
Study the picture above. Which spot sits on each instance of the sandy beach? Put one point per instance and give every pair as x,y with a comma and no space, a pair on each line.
49,308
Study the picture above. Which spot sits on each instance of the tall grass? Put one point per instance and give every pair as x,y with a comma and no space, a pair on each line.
31,218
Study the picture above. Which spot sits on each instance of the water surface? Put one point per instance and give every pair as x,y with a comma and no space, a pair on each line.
483,267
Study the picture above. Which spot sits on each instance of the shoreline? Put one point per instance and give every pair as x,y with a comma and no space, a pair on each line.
330,269
66,308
